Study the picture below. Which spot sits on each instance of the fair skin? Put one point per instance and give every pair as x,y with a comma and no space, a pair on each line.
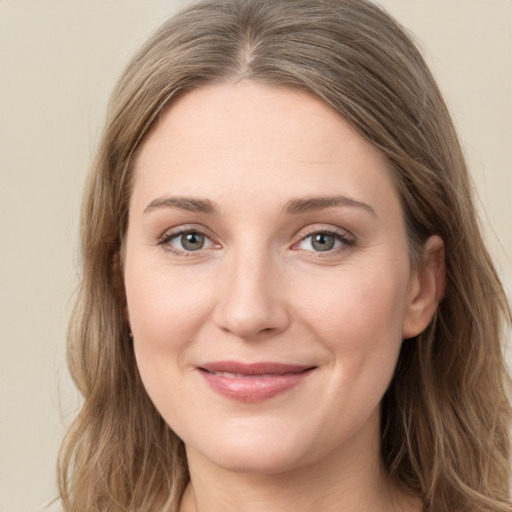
263,229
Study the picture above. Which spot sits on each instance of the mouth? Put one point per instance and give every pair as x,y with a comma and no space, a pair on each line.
255,382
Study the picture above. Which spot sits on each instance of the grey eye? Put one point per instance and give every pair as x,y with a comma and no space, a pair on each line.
187,241
192,241
322,241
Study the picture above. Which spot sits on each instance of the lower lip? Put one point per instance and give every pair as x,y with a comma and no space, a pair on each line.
254,388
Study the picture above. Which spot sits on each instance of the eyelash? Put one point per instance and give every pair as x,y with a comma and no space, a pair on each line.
347,242
168,237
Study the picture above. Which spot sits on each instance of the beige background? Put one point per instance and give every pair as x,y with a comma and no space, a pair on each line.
58,62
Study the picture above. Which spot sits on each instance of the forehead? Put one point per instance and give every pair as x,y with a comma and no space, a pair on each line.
254,139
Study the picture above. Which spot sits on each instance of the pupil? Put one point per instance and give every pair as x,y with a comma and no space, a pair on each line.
192,241
323,242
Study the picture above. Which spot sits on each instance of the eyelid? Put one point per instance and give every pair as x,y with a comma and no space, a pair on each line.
173,233
346,238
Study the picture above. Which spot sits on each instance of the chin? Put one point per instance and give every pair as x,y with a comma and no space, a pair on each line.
253,454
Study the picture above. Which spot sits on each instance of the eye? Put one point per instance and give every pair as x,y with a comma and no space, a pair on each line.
186,241
192,241
324,241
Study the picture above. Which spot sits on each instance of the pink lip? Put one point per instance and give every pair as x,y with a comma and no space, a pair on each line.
254,382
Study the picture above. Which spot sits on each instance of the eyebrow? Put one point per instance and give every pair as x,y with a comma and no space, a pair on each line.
190,204
292,207
314,203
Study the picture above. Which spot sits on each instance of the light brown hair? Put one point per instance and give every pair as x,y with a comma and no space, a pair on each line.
445,416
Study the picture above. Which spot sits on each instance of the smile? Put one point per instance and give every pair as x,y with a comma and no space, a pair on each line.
252,383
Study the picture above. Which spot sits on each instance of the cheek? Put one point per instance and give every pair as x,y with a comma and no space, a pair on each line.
160,303
166,311
358,318
364,303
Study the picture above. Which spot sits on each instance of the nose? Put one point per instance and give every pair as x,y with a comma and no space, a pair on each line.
253,303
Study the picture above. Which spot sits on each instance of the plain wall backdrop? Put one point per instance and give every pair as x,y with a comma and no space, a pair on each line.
58,62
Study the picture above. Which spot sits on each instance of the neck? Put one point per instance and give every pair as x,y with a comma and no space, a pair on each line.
350,478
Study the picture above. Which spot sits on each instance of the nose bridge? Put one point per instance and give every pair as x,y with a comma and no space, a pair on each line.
251,302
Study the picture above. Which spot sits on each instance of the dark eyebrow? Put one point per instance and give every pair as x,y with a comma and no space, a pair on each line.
307,204
191,204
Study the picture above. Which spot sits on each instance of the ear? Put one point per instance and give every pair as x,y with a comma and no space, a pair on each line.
118,281
427,288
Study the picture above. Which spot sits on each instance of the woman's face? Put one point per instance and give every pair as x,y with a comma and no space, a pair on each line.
267,277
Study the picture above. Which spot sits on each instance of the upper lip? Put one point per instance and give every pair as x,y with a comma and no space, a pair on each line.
263,368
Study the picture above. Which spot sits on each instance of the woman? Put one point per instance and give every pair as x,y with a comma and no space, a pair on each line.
286,300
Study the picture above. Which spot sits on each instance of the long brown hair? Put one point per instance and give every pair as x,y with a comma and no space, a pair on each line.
445,415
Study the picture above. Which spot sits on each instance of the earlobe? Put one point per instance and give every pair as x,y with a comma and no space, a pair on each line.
427,288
